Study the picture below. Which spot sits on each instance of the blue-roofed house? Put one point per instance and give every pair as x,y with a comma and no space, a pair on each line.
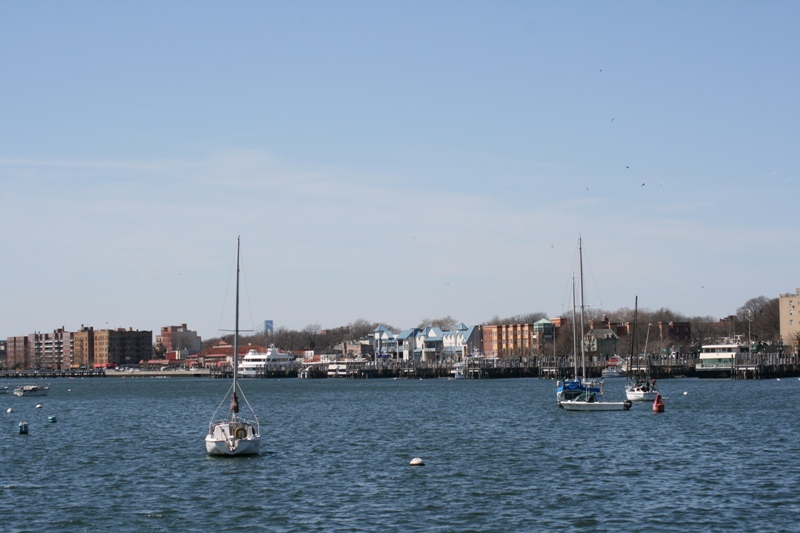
407,344
384,342
460,342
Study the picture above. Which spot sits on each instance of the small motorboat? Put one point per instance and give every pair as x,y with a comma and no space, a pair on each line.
31,390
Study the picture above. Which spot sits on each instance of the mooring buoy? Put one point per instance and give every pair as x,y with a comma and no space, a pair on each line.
416,461
23,428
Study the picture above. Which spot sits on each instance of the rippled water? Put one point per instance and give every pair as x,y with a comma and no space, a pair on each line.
128,455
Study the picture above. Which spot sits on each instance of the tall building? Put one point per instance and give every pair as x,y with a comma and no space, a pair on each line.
46,351
174,338
789,311
17,353
122,347
83,348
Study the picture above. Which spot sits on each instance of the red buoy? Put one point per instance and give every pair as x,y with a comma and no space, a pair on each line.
658,405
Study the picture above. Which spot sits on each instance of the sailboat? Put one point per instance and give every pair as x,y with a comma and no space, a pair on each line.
639,387
570,389
231,434
589,399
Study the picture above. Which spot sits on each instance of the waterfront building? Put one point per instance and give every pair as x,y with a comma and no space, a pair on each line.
384,342
428,344
17,354
508,340
83,348
122,347
45,351
789,311
406,344
600,343
461,342
173,338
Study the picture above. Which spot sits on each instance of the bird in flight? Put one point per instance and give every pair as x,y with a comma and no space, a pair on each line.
642,184
613,119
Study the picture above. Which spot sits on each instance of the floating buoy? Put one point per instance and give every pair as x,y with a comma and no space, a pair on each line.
69,390
23,428
38,406
416,461
685,393
658,404
779,379
51,419
9,410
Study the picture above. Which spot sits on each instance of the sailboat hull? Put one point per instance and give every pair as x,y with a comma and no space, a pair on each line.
240,447
578,405
233,438
641,396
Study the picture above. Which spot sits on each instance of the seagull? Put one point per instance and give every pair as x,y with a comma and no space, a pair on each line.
642,184
626,166
613,119
600,71
552,246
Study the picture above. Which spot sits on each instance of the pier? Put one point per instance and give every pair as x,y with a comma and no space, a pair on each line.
753,366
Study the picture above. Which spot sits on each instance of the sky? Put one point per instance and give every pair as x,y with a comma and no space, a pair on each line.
393,161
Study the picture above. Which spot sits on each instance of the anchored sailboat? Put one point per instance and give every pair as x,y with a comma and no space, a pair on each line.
232,434
639,387
588,398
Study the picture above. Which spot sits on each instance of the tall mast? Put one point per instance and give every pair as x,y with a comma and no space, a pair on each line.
236,325
583,351
574,332
633,339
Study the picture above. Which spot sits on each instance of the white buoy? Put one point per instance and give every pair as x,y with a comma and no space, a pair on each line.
779,379
416,461
9,410
38,406
685,393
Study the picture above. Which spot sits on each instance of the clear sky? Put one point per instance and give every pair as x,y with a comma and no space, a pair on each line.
393,161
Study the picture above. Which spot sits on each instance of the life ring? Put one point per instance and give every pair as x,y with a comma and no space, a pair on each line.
240,433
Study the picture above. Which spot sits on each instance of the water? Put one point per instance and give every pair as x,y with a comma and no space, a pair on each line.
128,455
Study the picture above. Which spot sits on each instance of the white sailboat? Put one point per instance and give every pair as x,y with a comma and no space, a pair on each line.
232,434
588,399
639,387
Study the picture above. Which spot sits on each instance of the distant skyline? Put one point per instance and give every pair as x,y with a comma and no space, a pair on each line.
393,161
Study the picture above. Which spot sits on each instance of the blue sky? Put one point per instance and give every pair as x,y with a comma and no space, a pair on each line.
393,161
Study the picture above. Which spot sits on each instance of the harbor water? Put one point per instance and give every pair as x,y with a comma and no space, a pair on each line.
128,455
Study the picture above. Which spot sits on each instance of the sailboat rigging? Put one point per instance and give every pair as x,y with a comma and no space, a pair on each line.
233,434
584,394
639,387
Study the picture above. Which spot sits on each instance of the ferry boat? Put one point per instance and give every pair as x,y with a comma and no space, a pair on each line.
31,390
257,363
719,360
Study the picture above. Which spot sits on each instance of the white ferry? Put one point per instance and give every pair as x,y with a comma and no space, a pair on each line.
257,363
719,360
